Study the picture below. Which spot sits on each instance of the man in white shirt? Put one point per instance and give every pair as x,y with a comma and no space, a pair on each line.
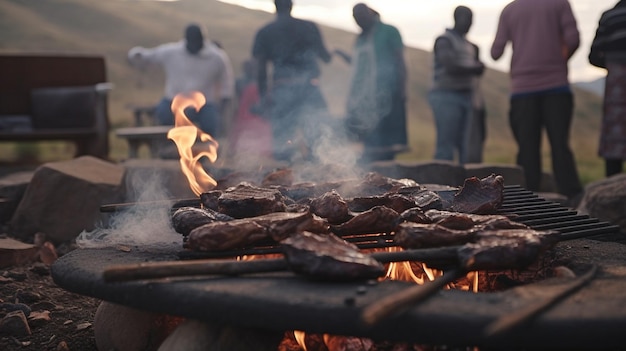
191,64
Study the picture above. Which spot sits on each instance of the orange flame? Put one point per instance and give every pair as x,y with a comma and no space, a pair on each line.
184,134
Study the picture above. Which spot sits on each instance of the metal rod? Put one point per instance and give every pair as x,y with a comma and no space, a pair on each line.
175,204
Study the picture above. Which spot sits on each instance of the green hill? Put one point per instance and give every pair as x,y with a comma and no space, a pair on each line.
111,27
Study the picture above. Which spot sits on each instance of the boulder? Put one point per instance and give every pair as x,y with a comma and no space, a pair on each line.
606,200
64,198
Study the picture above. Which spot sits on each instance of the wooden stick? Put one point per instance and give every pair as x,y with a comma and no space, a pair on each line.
154,270
507,322
402,300
195,202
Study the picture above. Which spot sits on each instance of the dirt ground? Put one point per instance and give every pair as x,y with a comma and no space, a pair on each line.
71,315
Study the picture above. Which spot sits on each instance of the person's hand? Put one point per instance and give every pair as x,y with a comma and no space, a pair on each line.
344,55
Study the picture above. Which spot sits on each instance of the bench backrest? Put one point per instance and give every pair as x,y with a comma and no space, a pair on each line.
21,74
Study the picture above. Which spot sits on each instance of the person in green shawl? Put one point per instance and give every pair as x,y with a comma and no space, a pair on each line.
376,106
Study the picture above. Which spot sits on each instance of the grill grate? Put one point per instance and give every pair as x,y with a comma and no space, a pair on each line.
523,205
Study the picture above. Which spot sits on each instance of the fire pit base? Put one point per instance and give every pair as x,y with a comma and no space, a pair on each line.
592,318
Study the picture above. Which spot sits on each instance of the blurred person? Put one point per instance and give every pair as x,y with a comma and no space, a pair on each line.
608,51
478,125
544,36
455,77
295,106
251,134
191,64
376,106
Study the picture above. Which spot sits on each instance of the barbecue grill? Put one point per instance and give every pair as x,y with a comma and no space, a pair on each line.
594,318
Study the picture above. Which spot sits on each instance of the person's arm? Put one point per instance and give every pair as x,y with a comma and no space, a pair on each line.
501,39
226,84
447,56
322,52
477,57
397,50
571,36
344,55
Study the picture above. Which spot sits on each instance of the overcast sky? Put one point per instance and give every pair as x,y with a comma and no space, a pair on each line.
420,21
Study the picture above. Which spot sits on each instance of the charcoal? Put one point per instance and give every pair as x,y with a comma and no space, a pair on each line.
417,235
480,196
379,219
246,200
328,257
185,219
332,207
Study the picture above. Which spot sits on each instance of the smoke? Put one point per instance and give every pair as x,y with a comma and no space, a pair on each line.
146,223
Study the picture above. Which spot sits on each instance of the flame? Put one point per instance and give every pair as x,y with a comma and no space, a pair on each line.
299,336
184,134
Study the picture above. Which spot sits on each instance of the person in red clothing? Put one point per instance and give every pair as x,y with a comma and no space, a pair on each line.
544,36
251,134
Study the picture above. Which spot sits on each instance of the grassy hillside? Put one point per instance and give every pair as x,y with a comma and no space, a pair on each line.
110,28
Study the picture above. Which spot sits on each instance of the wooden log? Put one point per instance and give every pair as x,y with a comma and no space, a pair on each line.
155,270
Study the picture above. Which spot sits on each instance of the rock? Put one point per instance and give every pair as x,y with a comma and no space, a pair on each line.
606,200
7,307
39,318
12,188
64,198
15,324
118,327
15,253
191,335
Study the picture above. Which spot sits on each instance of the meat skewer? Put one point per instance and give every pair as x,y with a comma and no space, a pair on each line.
156,270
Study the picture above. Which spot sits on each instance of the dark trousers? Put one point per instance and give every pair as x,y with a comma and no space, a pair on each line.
528,116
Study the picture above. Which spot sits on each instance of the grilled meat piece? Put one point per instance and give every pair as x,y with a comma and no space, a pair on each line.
397,202
283,176
332,207
373,184
185,219
236,234
456,220
423,198
244,232
417,235
506,249
209,199
415,215
480,196
246,200
379,219
328,257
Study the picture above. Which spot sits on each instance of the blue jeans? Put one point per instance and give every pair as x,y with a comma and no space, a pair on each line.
452,111
207,119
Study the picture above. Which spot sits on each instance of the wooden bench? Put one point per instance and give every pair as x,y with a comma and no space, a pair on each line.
44,97
155,137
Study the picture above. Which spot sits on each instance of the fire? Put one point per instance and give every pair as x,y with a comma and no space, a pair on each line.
185,134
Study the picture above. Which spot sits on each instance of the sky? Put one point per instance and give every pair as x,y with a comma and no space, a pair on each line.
421,21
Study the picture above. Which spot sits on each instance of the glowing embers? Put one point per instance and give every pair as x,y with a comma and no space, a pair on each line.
192,143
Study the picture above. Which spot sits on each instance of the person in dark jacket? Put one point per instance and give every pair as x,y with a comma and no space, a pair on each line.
608,50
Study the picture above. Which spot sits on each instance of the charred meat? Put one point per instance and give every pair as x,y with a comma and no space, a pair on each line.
416,236
379,219
246,200
328,257
480,196
332,207
397,202
185,219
